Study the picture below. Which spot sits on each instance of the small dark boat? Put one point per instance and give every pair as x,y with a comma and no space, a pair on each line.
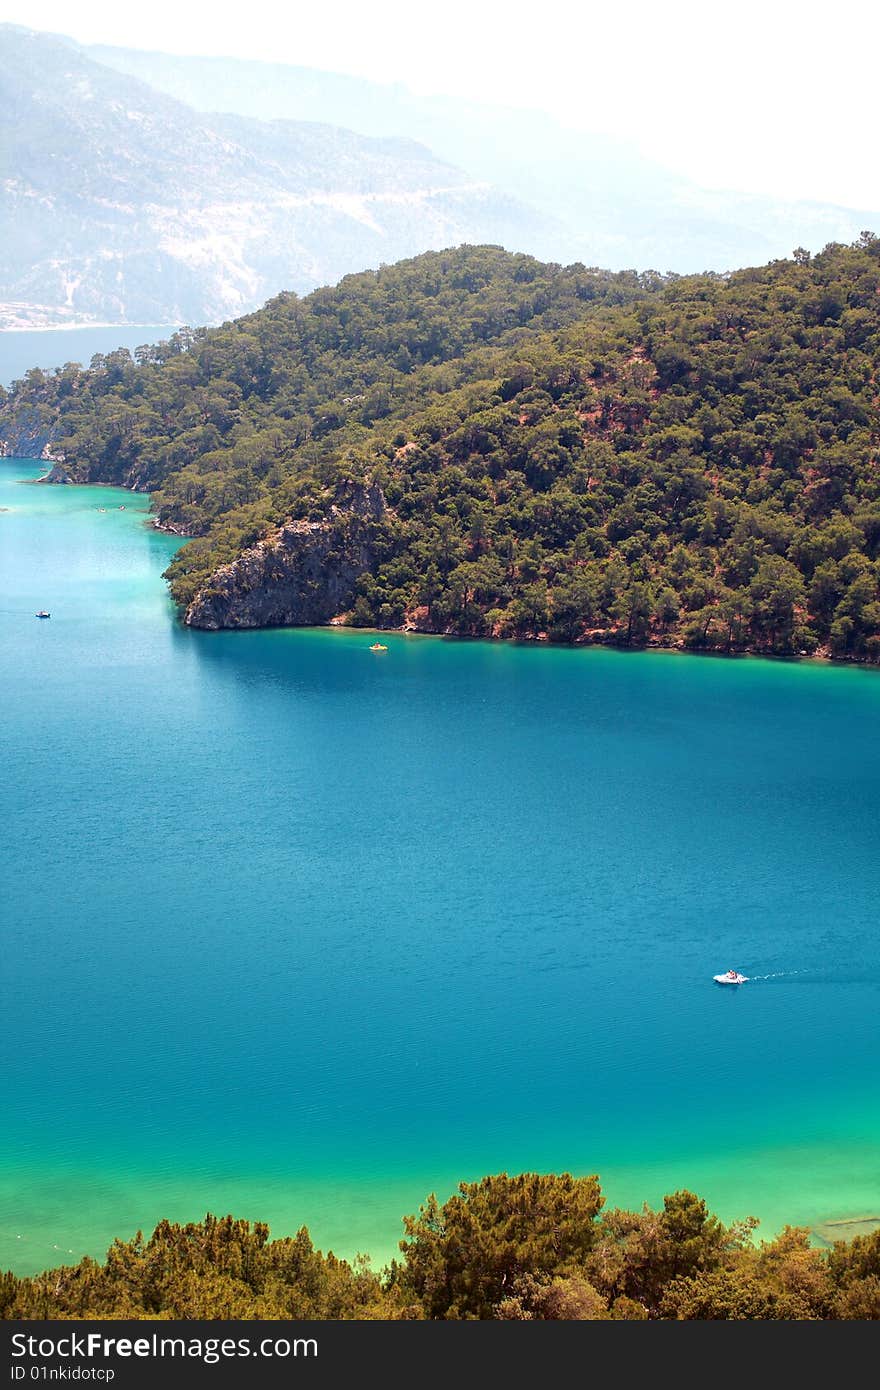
43,614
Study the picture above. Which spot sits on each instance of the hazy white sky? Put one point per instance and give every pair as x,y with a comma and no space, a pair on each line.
776,96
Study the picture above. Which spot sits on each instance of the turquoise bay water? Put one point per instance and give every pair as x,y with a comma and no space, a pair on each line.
52,347
303,932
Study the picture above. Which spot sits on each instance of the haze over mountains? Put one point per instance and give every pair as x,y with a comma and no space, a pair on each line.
128,199
121,204
605,203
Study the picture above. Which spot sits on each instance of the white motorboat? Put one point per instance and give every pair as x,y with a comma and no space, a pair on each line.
731,977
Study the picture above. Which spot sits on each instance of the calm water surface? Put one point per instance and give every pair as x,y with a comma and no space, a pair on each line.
305,933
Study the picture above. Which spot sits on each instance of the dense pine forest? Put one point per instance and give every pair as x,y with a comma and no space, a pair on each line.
523,1247
557,452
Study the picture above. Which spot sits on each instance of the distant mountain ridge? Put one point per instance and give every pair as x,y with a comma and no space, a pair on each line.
141,187
602,201
121,204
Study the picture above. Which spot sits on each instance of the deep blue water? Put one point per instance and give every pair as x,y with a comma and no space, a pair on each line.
305,932
53,347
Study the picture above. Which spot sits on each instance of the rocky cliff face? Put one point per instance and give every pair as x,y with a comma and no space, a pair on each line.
304,574
26,435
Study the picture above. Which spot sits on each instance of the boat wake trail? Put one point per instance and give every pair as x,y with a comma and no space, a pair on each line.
778,974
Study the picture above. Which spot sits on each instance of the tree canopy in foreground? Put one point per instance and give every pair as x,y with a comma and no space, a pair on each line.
529,1246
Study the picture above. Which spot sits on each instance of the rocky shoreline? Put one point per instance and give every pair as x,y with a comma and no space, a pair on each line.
29,440
302,575
305,573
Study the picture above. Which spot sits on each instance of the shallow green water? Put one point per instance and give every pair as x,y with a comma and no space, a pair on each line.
304,932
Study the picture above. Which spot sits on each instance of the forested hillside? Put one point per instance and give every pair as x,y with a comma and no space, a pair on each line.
546,452
525,1247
